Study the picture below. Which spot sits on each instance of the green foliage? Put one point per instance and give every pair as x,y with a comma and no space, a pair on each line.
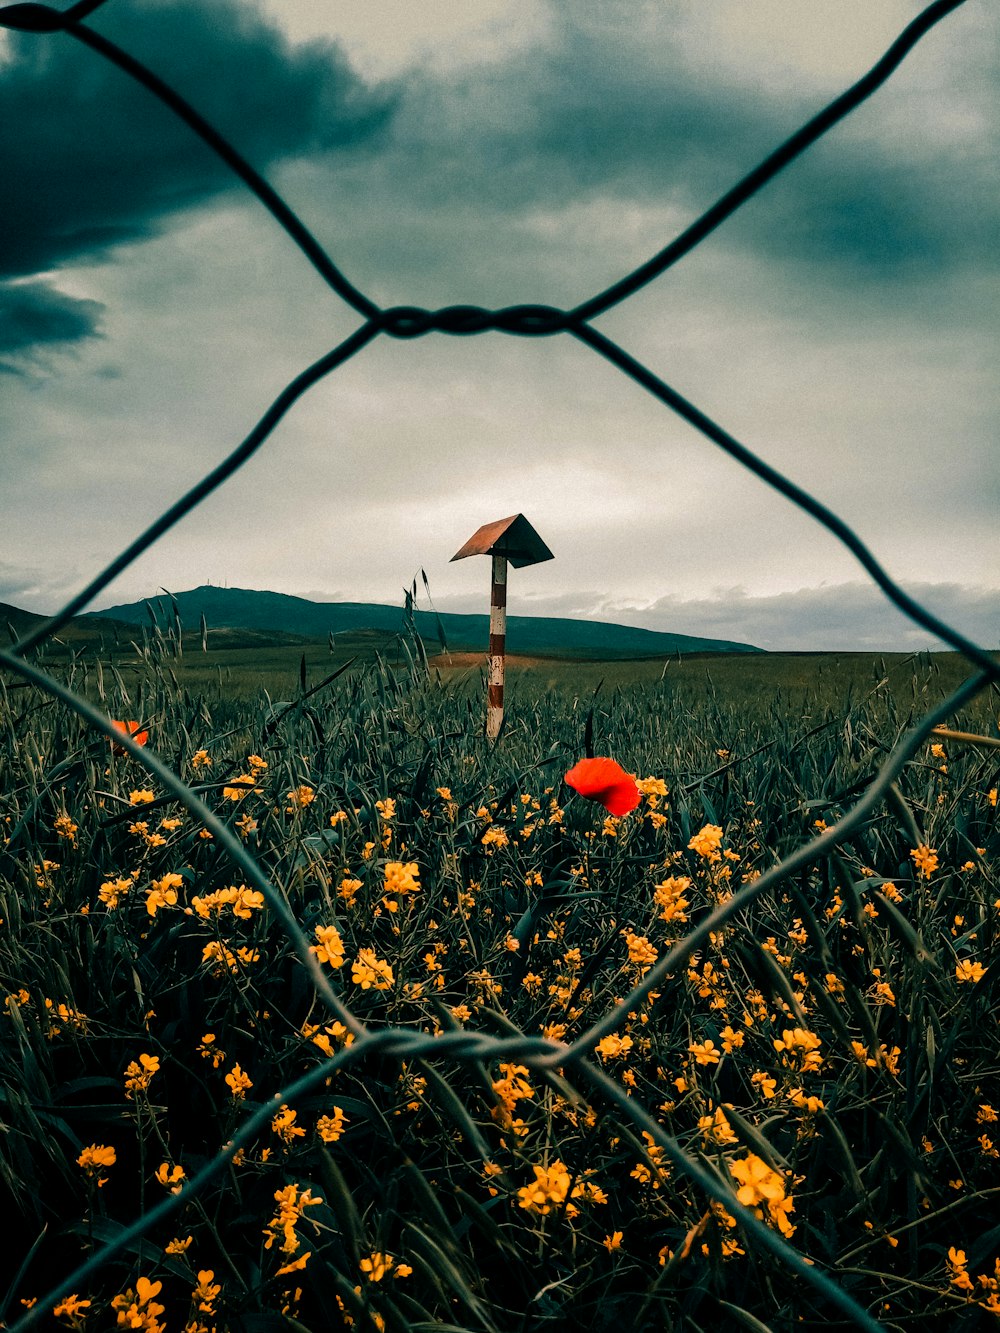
838,1038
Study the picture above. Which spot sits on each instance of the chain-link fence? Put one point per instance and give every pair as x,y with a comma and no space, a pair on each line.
536,321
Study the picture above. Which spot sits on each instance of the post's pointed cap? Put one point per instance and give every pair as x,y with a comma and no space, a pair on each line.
512,537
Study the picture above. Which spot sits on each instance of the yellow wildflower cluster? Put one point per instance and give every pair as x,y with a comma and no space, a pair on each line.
299,798
163,892
510,1088
217,956
171,1177
329,947
401,880
640,951
715,1127
292,1202
285,1127
139,1074
549,1190
707,843
379,1265
66,829
332,1127
969,970
653,1171
243,902
137,1308
95,1159
240,787
763,1190
112,891
925,860
799,1048
238,1082
669,897
613,1046
370,972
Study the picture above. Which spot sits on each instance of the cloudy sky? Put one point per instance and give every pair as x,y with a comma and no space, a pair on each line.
843,324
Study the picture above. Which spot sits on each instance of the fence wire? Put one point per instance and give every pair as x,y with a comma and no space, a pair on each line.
526,320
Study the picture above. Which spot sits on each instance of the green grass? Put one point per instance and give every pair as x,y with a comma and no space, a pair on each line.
881,1145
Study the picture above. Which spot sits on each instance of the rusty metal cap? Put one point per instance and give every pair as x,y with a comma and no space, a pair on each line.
512,537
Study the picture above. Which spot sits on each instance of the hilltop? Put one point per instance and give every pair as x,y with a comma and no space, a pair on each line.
279,613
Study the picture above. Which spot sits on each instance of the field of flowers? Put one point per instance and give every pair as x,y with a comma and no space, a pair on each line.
830,1055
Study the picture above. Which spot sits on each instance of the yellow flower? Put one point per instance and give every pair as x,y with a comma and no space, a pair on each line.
371,973
241,786
761,1188
612,1242
377,1265
331,1127
206,1292
292,1203
141,797
640,951
970,971
612,1046
299,799
178,1246
705,1053
238,1082
294,1265
98,1157
201,759
670,896
112,891
925,860
809,1104
329,948
707,842
71,1308
170,1177
139,1074
765,1083
284,1125
731,1038
550,1190
716,1127
800,1047
163,893
65,828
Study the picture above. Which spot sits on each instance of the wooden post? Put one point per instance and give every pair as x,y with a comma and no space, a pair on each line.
498,637
509,540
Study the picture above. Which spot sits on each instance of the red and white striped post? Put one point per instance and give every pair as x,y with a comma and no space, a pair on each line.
498,647
509,540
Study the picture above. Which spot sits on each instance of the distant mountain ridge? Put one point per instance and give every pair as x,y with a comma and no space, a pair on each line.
244,608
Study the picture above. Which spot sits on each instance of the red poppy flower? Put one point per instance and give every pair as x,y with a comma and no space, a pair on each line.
128,729
603,780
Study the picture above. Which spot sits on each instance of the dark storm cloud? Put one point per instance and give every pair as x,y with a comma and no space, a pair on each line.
89,159
36,314
604,112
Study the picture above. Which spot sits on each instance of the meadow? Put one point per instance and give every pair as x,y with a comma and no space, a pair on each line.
830,1055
